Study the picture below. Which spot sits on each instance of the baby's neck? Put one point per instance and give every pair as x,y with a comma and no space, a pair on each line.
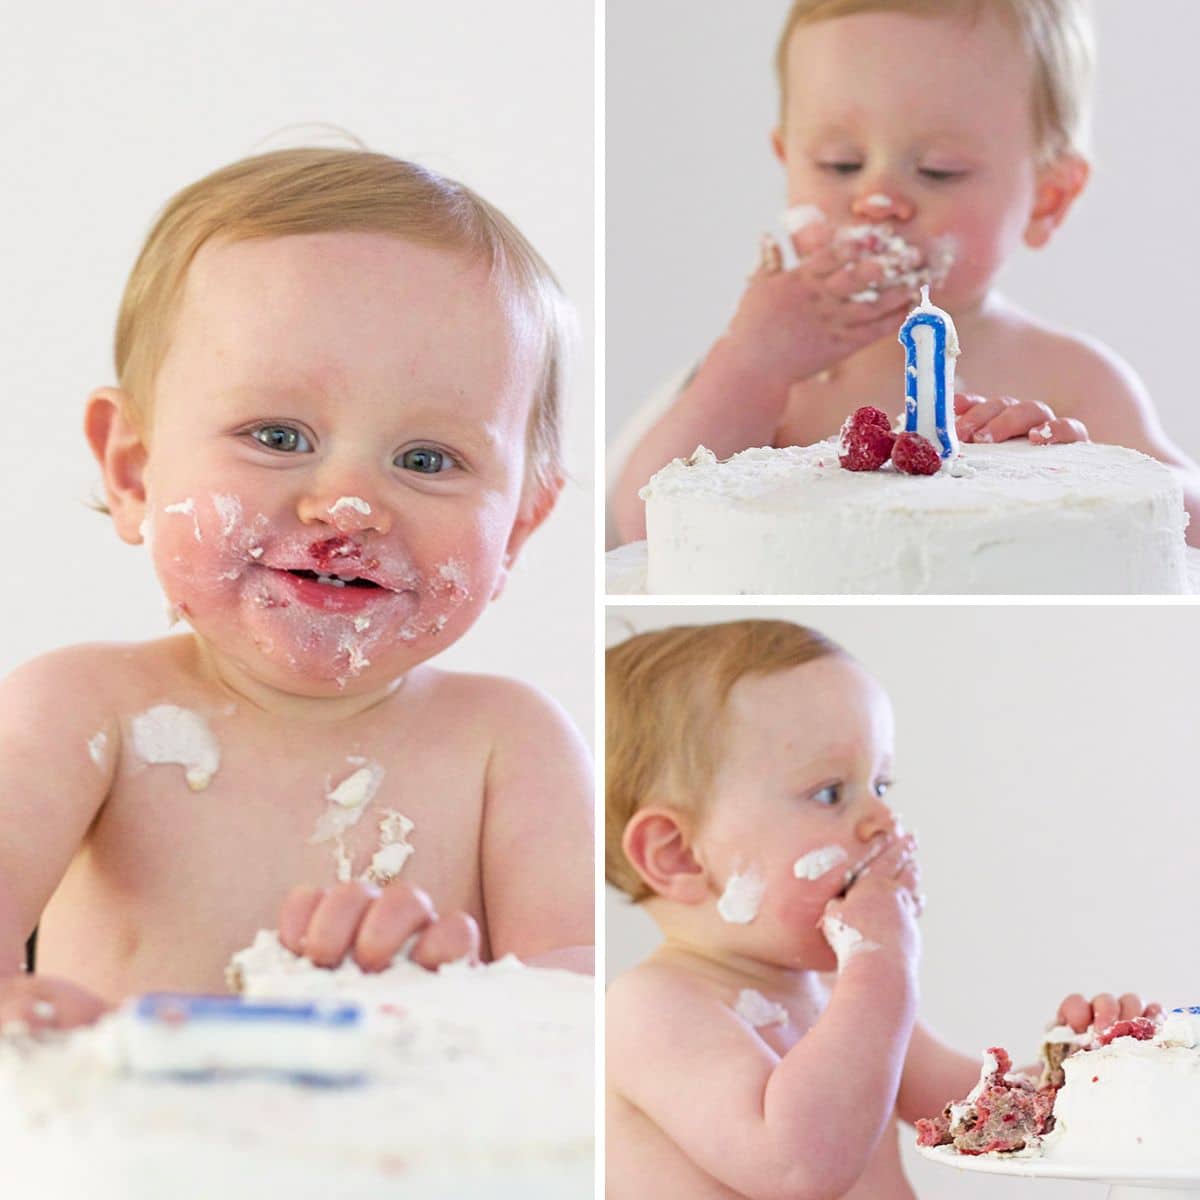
237,682
737,971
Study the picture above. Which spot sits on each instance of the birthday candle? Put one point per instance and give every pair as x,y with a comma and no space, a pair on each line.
930,344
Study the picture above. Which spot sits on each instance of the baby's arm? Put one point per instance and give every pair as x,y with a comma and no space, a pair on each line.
538,855
934,1074
789,325
804,1125
50,792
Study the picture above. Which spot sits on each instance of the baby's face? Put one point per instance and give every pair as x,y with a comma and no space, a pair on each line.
923,124
340,404
797,800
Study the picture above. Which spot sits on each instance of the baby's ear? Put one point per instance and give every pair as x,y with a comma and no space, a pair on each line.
656,842
537,500
1058,186
121,453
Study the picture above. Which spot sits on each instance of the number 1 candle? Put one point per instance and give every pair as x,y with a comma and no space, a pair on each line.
930,344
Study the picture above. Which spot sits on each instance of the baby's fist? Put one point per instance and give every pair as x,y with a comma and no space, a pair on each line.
1102,1011
371,925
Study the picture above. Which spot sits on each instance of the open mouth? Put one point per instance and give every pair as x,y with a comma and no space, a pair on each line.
336,581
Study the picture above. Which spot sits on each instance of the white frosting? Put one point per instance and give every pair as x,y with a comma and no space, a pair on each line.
169,734
844,940
800,216
186,508
742,897
359,505
1077,518
754,1008
346,804
96,746
819,862
478,1083
1131,1102
394,848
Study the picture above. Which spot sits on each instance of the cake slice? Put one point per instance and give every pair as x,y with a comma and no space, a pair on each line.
1003,1111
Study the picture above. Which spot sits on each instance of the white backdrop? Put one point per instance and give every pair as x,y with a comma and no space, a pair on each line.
692,182
108,109
1046,760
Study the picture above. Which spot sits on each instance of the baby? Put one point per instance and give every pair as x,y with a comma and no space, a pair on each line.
922,142
335,427
747,769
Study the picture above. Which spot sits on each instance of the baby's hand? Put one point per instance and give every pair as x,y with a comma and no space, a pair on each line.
326,924
884,900
836,300
39,1002
1101,1011
1002,417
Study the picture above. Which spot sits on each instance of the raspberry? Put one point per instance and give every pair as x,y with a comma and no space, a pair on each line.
866,441
865,448
913,455
1141,1028
867,415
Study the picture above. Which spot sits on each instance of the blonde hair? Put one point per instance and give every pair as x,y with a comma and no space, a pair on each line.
327,190
665,693
1057,34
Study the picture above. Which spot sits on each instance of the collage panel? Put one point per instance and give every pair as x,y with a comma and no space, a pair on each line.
897,901
297,707
878,327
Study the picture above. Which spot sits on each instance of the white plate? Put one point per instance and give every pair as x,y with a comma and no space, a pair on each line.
1040,1168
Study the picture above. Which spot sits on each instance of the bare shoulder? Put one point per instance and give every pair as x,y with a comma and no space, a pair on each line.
1076,375
86,677
654,995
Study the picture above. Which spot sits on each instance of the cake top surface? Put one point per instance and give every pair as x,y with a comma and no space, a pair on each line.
984,478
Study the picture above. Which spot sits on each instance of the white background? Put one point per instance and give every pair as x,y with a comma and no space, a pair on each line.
1046,759
692,182
108,109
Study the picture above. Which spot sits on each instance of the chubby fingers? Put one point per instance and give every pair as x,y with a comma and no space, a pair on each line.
399,912
49,1004
295,914
976,424
448,939
1076,1012
334,922
1059,430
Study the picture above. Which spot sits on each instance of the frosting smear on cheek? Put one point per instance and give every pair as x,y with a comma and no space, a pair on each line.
820,862
742,897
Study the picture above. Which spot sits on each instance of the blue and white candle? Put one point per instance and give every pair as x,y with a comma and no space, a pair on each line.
930,344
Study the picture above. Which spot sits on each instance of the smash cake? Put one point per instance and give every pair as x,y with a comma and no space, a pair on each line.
1013,517
471,1080
1128,1096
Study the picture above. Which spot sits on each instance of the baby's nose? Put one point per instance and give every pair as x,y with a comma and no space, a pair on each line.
880,205
347,511
880,819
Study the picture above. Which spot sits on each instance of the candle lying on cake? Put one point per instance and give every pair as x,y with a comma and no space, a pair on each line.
930,344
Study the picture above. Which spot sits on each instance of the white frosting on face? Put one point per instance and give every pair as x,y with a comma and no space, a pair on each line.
186,507
742,897
819,862
799,216
342,502
169,734
754,1008
844,940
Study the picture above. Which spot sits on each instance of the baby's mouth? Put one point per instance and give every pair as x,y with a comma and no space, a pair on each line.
337,581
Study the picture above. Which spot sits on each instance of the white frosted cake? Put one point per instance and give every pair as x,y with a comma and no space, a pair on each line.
1132,1102
471,1081
1007,518
1128,1098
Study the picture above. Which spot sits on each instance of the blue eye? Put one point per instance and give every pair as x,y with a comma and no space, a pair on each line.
882,787
281,437
426,461
829,796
